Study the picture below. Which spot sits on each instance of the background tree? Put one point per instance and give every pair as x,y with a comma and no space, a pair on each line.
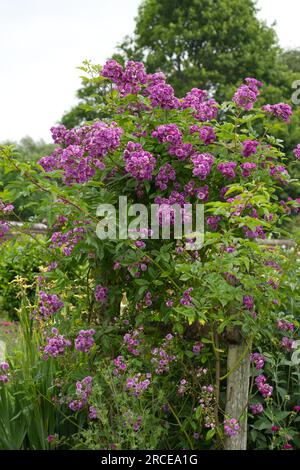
207,44
291,58
290,135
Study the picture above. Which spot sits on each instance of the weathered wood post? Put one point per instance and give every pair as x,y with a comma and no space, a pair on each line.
237,392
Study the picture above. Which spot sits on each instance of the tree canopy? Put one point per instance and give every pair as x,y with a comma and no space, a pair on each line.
206,44
203,43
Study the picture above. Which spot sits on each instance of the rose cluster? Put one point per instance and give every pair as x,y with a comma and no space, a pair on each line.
161,358
133,341
138,163
247,94
120,365
206,133
67,241
171,135
258,360
285,325
204,109
231,427
133,79
263,387
101,294
4,367
4,228
4,209
128,79
202,164
186,298
48,304
165,174
56,345
257,408
82,150
83,391
84,341
138,383
227,169
279,110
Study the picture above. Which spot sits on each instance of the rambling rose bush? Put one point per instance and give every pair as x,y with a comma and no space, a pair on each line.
178,304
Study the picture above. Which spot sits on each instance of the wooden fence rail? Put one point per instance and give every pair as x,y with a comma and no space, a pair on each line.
17,227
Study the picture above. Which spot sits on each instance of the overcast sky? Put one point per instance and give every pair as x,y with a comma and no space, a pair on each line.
43,41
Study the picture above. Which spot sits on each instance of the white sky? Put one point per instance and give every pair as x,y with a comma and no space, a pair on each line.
43,41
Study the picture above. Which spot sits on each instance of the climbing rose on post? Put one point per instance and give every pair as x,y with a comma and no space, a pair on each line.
181,304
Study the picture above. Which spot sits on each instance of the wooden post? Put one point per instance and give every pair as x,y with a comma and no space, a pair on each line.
238,362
